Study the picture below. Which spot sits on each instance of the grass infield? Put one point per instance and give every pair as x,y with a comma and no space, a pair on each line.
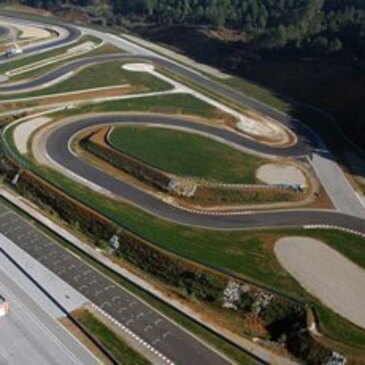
186,154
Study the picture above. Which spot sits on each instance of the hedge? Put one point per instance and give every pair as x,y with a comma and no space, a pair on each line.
282,318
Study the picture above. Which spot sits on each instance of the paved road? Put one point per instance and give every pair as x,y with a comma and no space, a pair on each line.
331,176
345,199
58,73
71,35
57,150
168,338
179,346
28,335
67,299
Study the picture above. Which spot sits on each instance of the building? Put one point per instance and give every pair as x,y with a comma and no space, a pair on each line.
4,307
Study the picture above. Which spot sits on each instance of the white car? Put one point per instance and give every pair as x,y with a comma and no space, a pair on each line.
13,52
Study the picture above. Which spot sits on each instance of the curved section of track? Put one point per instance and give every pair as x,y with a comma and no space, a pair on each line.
306,139
308,144
59,73
72,34
57,147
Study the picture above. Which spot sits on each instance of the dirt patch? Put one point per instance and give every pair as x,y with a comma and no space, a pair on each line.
326,274
33,32
277,174
24,130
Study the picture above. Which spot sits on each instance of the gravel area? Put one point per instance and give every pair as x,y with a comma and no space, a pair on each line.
329,276
32,32
24,130
273,174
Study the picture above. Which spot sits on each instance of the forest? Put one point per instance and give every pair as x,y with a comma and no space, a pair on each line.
310,26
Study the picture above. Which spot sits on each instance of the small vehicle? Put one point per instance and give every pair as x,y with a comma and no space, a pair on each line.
13,52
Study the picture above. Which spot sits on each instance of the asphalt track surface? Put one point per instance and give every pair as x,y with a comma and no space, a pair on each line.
305,136
57,149
72,35
307,143
307,140
174,343
167,337
59,72
164,335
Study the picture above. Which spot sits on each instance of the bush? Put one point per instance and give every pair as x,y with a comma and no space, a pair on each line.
303,346
245,303
166,267
283,318
130,165
68,209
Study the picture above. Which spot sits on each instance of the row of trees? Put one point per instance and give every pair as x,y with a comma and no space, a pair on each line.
322,26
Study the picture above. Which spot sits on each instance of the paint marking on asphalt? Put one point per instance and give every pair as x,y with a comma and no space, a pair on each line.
133,335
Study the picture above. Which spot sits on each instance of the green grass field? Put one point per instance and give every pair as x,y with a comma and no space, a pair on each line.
186,154
246,253
168,104
122,352
258,92
362,187
38,72
230,350
95,76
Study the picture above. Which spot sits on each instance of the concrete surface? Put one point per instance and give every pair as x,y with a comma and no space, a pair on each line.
167,337
274,174
336,184
67,297
329,276
24,130
28,335
240,341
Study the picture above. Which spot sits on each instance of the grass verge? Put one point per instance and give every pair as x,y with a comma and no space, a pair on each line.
29,59
95,76
186,154
246,253
176,104
230,350
121,351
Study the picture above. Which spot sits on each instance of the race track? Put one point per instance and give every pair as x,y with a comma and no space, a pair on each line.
349,213
58,151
